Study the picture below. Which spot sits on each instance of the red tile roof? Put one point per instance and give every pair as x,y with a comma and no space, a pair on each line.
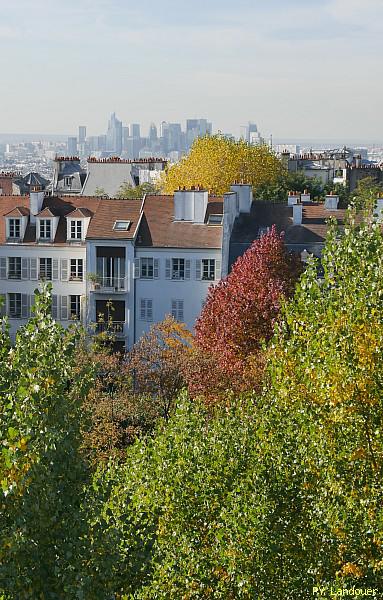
18,211
159,229
108,212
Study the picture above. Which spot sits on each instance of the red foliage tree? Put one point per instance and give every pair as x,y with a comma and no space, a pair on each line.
238,315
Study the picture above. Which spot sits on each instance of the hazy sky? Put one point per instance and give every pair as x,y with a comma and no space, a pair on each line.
298,68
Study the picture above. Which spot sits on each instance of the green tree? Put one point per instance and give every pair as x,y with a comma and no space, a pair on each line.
42,472
366,193
128,191
100,191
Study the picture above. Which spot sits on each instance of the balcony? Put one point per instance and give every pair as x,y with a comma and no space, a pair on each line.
109,285
116,328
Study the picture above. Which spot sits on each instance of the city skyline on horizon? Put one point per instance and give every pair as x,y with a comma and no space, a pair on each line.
302,70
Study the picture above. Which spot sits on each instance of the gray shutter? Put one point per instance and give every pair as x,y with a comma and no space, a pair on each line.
24,268
217,269
187,269
54,306
25,306
82,308
3,267
33,268
64,269
156,268
167,268
55,269
142,309
174,309
31,304
198,263
64,308
136,268
180,311
3,305
149,310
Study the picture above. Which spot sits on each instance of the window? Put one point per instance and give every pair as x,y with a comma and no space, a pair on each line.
121,225
146,309
178,310
14,267
178,268
215,220
76,230
45,271
14,305
146,268
74,308
45,229
76,269
14,228
208,269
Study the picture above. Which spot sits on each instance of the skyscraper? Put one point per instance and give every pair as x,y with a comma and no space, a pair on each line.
196,128
81,134
72,146
114,135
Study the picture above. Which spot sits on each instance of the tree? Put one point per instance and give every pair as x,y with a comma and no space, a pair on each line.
128,191
100,191
366,193
156,364
239,315
287,181
215,162
41,469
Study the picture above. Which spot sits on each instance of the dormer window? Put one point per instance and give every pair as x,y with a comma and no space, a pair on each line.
76,230
14,229
215,220
45,229
121,225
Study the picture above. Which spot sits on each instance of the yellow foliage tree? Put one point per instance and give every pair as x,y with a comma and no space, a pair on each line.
215,162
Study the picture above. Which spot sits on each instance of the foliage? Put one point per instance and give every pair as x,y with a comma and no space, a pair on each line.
238,315
128,191
156,363
215,162
41,470
100,191
278,190
116,415
366,193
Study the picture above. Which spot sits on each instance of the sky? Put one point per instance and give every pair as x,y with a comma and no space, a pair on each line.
297,68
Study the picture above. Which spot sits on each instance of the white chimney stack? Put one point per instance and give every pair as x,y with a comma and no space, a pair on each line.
244,192
331,201
293,198
297,214
190,205
36,199
305,197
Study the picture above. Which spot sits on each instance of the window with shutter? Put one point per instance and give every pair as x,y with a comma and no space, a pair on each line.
198,269
54,306
146,309
156,267
25,306
64,308
64,269
178,310
33,268
136,267
167,268
3,267
14,306
187,269
24,268
55,269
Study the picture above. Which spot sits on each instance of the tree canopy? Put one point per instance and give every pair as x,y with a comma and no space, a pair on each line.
215,162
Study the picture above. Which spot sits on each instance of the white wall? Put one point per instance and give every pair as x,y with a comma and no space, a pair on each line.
28,286
162,291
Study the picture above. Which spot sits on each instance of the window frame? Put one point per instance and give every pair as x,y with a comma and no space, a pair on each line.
12,298
47,266
147,262
76,227
178,268
17,270
76,270
210,268
14,223
44,226
74,315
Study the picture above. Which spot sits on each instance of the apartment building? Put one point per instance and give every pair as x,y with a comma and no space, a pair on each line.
124,264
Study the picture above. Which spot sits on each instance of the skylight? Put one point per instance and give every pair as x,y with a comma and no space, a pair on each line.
121,225
215,220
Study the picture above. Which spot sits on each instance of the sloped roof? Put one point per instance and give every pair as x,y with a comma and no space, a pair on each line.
18,211
159,229
108,212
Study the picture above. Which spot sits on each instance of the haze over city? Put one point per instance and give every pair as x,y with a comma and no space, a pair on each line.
299,69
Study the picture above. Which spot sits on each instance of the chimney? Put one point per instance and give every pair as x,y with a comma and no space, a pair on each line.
36,199
190,205
331,201
305,197
297,214
293,198
358,161
244,192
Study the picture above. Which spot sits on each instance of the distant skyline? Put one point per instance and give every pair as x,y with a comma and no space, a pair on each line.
300,69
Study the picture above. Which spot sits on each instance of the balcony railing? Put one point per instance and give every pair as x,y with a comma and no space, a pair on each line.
113,327
108,284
